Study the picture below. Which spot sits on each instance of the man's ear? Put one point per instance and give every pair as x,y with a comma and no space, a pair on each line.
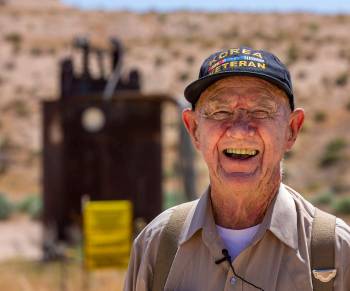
296,120
190,122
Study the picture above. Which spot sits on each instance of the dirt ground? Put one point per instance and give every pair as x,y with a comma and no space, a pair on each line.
20,238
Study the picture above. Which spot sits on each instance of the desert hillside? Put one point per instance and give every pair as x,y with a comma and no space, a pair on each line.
168,50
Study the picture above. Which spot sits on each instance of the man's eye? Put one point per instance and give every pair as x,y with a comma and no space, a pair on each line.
220,115
260,114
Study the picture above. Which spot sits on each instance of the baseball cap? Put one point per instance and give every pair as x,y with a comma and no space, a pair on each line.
241,61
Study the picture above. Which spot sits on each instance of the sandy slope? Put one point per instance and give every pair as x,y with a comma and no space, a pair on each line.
168,49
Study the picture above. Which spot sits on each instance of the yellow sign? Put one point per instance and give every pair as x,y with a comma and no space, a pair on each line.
107,233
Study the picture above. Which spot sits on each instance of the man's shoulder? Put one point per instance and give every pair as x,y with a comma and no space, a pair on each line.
305,207
342,229
154,229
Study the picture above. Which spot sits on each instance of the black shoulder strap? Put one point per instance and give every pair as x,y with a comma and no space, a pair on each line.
168,245
322,251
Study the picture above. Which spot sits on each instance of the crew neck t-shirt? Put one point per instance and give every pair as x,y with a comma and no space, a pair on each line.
236,240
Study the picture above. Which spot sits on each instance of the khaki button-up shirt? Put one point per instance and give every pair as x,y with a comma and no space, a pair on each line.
277,259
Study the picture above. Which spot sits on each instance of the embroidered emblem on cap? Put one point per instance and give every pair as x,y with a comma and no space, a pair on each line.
235,58
324,275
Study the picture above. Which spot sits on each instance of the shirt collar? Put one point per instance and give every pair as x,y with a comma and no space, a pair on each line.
200,217
280,218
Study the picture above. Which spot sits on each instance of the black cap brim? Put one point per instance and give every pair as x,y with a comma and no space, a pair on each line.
195,89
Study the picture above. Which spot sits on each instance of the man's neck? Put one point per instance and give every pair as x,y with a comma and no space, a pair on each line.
241,210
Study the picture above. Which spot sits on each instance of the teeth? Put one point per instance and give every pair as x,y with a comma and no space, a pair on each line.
241,151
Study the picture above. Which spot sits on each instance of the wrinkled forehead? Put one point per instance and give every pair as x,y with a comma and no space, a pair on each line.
247,89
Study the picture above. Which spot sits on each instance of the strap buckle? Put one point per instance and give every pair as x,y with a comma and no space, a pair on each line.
324,275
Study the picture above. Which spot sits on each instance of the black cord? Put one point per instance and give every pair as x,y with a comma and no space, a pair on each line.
227,258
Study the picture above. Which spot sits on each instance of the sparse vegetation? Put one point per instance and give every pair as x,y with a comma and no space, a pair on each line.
5,146
340,187
9,65
190,60
184,76
324,198
51,51
158,61
314,27
347,106
333,152
15,39
320,116
343,53
31,205
302,75
20,107
176,53
231,33
292,54
342,205
36,51
162,17
342,79
310,56
172,199
6,207
165,42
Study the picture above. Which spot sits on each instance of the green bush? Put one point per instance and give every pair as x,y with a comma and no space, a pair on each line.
190,60
36,51
320,116
342,205
159,61
324,198
184,76
347,106
173,198
333,152
31,205
314,27
13,37
293,54
342,79
6,207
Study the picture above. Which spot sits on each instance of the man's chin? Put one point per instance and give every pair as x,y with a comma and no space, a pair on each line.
240,178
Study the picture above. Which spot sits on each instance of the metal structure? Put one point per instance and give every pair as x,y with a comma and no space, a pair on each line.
102,139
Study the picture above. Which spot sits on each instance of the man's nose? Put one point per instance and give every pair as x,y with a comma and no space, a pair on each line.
240,128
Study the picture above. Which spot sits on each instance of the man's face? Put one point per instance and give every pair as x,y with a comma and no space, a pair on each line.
243,126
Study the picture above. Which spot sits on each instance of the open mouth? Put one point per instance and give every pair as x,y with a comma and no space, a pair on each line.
240,154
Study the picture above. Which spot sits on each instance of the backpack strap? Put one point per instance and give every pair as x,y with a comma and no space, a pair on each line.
322,251
168,245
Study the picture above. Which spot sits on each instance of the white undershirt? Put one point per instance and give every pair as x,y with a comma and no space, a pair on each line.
236,240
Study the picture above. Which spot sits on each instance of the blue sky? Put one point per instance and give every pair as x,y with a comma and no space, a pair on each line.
318,6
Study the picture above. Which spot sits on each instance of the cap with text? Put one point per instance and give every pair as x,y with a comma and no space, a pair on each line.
241,61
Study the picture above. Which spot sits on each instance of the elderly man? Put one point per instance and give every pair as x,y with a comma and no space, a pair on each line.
248,231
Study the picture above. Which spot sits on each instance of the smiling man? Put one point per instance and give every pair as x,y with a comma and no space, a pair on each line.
248,231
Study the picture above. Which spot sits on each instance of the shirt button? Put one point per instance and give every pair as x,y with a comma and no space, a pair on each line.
233,280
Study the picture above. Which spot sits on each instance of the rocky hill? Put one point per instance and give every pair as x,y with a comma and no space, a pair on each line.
168,50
